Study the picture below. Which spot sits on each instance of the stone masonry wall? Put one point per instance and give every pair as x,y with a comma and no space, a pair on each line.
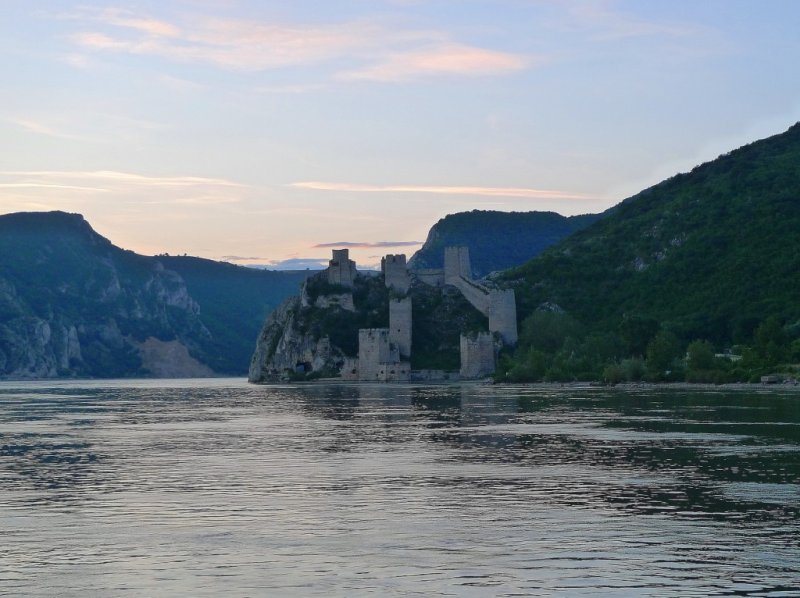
456,263
400,325
395,272
374,349
503,315
341,269
477,355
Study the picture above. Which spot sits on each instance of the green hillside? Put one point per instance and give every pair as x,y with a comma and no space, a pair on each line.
234,302
712,254
73,304
496,240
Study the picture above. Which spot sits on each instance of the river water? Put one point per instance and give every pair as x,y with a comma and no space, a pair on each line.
219,488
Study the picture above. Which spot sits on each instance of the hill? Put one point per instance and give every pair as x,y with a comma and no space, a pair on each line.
73,304
710,255
496,240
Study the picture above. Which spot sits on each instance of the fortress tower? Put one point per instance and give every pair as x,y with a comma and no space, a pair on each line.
395,272
341,269
456,264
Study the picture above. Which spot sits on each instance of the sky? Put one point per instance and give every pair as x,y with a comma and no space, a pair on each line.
268,132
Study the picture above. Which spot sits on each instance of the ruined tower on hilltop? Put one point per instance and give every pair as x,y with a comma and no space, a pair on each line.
341,269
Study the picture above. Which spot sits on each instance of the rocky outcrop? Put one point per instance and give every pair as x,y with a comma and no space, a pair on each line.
287,346
100,332
72,304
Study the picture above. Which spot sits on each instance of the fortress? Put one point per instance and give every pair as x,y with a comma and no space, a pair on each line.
384,354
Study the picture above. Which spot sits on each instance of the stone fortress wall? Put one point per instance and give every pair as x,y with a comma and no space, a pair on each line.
477,355
384,353
400,325
499,305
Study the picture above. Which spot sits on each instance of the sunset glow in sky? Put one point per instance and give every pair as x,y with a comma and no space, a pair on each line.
266,132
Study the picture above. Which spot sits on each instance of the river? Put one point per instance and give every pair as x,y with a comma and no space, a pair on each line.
220,488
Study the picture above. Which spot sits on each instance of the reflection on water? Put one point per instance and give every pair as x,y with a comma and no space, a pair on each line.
206,488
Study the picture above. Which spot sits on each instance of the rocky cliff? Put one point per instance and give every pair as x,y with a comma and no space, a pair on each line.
73,304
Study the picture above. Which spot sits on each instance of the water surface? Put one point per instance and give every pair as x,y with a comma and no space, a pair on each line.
209,488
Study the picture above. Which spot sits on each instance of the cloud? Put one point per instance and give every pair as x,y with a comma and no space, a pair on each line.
41,128
299,263
374,50
452,59
239,258
117,177
361,244
142,189
51,186
520,192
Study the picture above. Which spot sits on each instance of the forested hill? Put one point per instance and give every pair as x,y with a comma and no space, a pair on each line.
710,254
496,240
73,304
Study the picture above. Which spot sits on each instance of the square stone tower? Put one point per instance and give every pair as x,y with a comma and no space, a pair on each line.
341,269
395,272
456,263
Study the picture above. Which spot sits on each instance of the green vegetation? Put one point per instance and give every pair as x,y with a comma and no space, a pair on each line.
371,300
234,301
703,264
439,318
57,275
497,240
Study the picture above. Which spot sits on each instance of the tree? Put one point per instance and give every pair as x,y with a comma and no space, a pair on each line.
700,355
637,331
662,351
771,340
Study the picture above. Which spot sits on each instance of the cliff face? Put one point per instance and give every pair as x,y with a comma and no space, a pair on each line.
72,304
286,344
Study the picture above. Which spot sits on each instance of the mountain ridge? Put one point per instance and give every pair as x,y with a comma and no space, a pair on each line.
74,304
709,255
496,240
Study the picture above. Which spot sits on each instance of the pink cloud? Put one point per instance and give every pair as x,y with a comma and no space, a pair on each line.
521,192
382,53
452,59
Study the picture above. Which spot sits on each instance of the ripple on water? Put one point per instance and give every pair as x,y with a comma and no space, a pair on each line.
216,487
